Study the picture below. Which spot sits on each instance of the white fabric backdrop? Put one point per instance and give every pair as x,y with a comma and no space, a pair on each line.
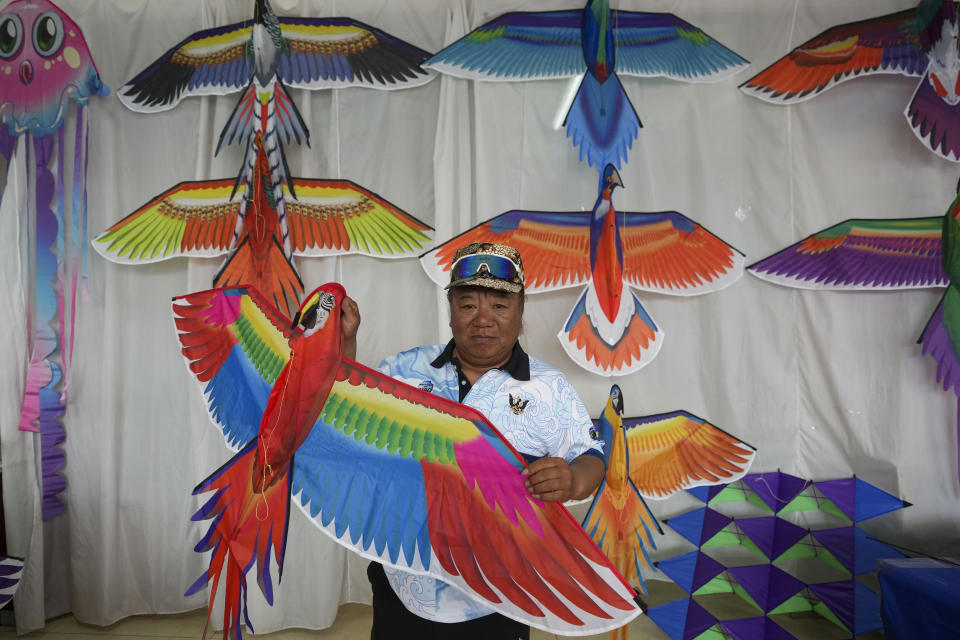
823,384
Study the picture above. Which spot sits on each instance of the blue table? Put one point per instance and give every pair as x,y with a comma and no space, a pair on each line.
919,599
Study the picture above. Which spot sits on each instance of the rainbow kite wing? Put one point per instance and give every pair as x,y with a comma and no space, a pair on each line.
322,53
428,485
544,45
334,217
669,253
235,343
555,247
674,451
862,254
191,219
878,45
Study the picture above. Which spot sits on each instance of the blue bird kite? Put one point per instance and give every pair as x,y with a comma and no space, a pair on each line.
599,43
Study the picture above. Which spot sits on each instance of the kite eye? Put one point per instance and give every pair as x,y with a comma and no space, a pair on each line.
315,317
48,34
11,35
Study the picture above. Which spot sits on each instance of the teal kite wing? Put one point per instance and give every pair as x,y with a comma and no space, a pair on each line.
862,254
661,44
235,344
544,45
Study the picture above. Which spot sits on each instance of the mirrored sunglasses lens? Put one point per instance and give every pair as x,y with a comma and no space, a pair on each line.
497,266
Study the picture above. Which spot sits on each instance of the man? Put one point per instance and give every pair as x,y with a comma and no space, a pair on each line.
532,404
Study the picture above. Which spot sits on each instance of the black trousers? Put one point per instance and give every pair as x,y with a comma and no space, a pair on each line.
392,620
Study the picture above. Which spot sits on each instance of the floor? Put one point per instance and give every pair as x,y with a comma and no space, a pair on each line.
353,623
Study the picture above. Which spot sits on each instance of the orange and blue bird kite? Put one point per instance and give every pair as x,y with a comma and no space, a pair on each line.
600,44
608,331
394,473
653,457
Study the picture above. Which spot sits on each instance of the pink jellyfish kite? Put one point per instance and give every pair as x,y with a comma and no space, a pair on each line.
45,66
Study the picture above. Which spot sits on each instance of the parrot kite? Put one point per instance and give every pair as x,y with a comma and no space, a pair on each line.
653,457
600,44
608,331
909,253
290,216
920,42
394,473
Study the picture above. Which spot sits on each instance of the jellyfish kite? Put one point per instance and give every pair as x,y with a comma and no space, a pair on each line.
45,65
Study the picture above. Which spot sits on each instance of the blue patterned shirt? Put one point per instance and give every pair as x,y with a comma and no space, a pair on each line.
535,408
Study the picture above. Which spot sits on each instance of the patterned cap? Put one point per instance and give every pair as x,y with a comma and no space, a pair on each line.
485,264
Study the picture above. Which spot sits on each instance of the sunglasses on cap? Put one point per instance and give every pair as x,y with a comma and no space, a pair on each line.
497,266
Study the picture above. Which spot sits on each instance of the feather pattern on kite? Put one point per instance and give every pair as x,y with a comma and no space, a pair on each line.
262,221
45,65
317,53
10,571
608,331
861,254
653,457
908,253
392,472
601,44
915,42
198,219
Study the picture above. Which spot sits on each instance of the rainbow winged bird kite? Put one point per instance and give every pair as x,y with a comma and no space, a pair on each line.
600,44
909,253
653,457
392,472
45,65
291,216
921,42
608,331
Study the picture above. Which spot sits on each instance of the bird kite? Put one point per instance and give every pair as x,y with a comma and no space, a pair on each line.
906,253
920,42
394,473
653,457
608,331
289,216
45,65
600,44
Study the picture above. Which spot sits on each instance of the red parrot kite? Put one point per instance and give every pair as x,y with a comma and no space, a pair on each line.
394,473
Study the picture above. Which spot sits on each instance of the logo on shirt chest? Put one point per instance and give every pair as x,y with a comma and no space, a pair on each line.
518,404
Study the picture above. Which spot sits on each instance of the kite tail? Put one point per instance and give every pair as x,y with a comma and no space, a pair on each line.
245,526
271,274
610,348
602,121
42,407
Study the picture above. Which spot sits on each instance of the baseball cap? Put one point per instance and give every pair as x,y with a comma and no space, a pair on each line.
485,264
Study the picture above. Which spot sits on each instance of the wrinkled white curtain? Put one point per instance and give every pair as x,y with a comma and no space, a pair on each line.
825,385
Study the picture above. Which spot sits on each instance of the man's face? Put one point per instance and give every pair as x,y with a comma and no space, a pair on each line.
485,324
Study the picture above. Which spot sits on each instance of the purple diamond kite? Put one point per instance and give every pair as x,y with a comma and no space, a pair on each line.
859,500
776,489
769,586
706,493
754,628
681,619
854,548
691,570
772,535
698,525
856,606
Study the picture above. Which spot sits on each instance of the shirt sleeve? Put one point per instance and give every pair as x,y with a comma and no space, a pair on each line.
578,424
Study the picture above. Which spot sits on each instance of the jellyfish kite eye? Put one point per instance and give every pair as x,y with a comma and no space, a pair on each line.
48,34
11,35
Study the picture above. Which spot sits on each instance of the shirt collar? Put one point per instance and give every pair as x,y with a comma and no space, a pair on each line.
518,366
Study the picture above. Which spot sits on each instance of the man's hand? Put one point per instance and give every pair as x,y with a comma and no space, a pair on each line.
554,480
349,324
